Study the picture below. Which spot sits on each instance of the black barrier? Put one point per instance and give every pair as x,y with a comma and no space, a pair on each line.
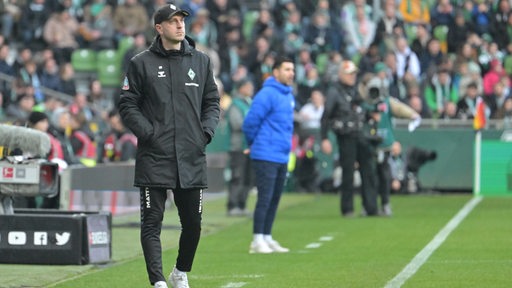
32,236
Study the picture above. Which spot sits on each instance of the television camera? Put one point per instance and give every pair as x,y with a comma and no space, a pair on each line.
24,170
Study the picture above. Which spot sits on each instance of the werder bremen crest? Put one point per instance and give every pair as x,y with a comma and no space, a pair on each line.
191,74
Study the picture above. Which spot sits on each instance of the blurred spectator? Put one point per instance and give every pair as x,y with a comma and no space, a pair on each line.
320,35
360,32
32,21
440,90
10,12
398,169
99,98
306,87
481,17
397,85
431,57
505,113
311,113
407,62
139,45
458,33
129,19
220,11
241,180
489,51
414,12
441,13
466,106
40,121
469,72
28,76
348,11
97,30
262,23
192,6
60,129
493,76
82,139
496,100
255,58
420,43
293,30
7,69
203,30
80,104
500,22
384,36
303,63
119,144
369,59
23,55
22,106
417,102
49,75
60,33
67,79
331,71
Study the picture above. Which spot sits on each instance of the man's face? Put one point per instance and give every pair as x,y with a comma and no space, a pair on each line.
285,73
172,30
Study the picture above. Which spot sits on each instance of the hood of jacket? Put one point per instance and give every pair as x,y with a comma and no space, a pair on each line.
272,82
187,46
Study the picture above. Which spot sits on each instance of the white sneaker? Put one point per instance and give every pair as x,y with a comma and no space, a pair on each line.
260,247
386,210
160,284
178,279
274,245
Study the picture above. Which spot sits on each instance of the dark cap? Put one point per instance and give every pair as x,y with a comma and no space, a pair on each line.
166,12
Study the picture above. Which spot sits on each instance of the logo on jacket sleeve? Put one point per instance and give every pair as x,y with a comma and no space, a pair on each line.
126,86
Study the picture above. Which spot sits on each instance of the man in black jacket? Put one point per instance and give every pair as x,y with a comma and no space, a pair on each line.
345,115
170,101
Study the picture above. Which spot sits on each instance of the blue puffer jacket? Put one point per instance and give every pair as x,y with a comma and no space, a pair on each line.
268,127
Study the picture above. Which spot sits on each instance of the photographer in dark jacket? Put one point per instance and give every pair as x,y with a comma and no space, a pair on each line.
345,115
170,101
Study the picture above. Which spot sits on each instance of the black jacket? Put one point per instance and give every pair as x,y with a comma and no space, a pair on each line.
170,101
343,111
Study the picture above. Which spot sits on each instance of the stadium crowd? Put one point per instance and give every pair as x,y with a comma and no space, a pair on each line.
436,56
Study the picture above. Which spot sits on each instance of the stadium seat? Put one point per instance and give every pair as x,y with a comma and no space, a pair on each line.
109,75
507,63
84,60
124,45
321,62
107,57
248,23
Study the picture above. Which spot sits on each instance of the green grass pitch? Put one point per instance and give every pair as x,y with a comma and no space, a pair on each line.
326,249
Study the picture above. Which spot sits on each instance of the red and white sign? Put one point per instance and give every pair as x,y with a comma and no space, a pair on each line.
8,172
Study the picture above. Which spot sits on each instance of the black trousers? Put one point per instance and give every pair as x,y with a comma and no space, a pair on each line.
384,176
241,179
189,204
354,148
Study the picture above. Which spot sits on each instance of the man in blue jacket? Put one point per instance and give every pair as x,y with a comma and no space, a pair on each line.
268,128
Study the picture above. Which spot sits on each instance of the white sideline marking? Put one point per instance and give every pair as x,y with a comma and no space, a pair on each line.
234,285
313,245
424,254
326,238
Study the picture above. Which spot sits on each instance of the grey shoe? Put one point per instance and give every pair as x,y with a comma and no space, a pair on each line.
160,284
178,279
386,210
